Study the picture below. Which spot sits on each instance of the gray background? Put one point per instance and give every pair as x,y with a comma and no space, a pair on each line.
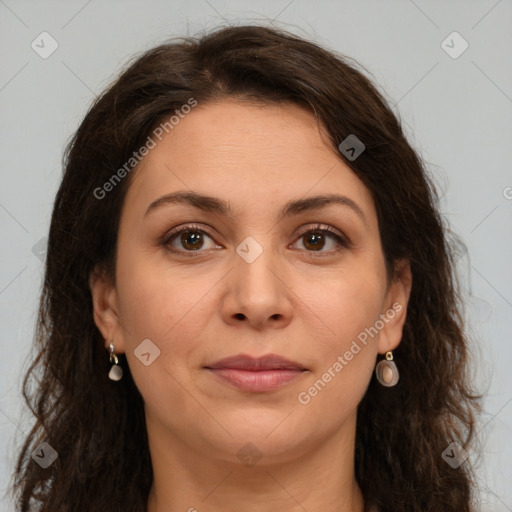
456,111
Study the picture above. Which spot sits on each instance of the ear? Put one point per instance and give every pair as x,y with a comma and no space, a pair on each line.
395,311
105,308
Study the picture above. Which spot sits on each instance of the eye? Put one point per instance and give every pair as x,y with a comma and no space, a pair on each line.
317,237
189,239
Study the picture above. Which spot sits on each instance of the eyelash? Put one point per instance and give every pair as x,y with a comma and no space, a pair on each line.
317,228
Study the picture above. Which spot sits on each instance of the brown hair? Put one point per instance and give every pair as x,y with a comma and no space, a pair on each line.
98,427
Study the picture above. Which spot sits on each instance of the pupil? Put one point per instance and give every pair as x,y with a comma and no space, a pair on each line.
190,239
315,240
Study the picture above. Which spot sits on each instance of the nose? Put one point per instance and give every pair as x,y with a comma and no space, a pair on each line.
258,293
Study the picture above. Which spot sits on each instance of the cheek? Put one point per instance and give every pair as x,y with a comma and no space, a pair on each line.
344,303
346,309
169,308
156,300
167,305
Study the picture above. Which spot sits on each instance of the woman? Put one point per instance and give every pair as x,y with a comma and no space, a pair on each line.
249,300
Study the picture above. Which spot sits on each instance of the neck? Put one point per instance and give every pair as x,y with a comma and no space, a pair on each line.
313,478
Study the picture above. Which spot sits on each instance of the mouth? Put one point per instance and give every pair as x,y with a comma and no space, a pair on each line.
265,373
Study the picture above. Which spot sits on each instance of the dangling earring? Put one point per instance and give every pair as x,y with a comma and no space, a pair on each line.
386,371
116,372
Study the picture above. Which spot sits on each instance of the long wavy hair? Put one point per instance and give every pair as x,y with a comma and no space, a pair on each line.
97,427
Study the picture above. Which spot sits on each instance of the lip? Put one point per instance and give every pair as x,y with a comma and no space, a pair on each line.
246,362
261,374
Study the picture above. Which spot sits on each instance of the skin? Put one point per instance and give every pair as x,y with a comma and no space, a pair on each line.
307,304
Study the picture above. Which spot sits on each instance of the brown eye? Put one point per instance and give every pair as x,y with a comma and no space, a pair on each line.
189,239
319,238
192,240
314,240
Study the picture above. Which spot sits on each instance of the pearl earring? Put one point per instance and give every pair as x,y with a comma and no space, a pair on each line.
386,371
116,372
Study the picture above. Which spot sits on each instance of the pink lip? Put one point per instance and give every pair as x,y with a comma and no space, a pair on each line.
265,373
266,362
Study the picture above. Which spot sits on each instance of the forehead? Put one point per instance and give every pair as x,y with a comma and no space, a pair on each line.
259,155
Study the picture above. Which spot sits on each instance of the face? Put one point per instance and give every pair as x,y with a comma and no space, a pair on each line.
263,268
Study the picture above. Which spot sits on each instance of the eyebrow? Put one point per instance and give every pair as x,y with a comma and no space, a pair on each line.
215,205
